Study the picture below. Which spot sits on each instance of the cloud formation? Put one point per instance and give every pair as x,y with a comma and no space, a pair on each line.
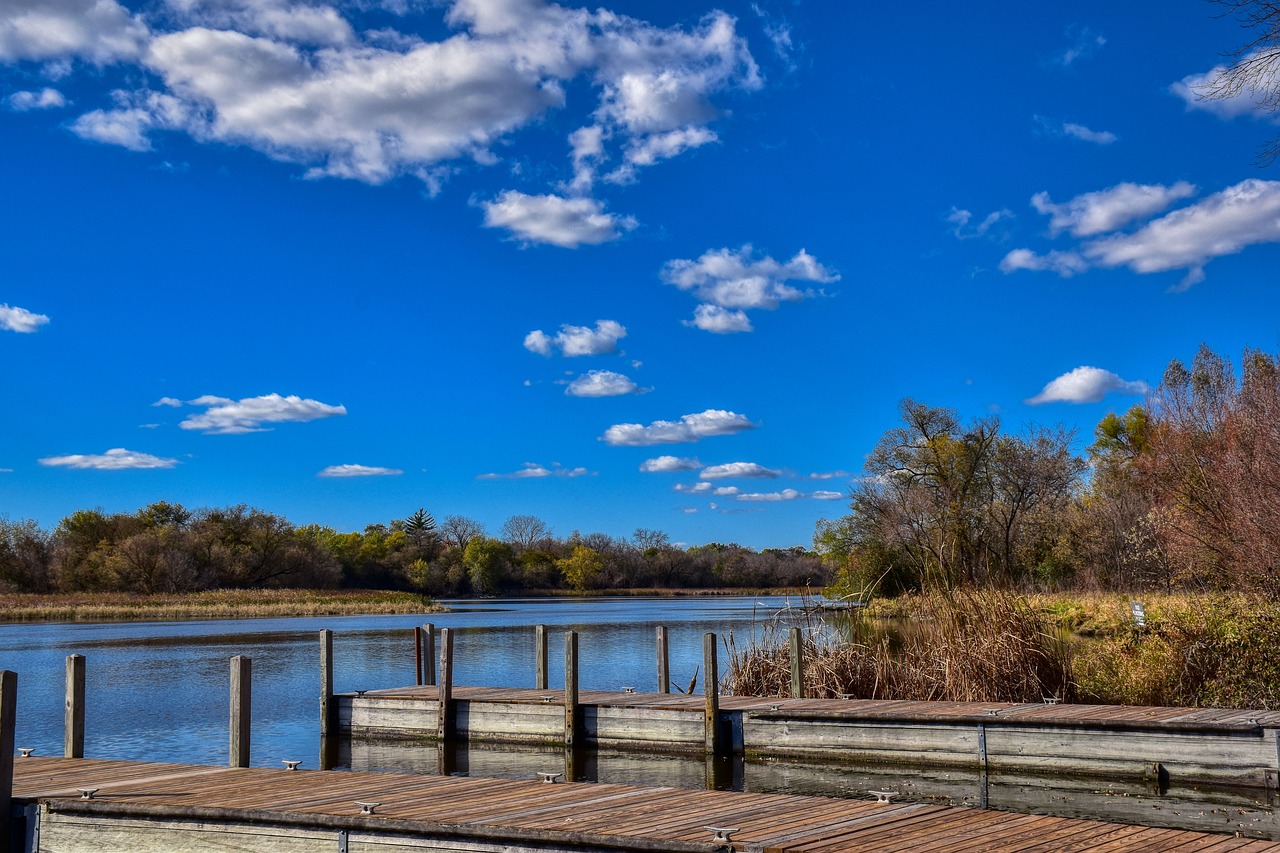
1086,385
532,470
689,428
116,459
1110,209
224,416
359,471
578,340
738,469
1205,92
15,319
670,463
45,99
733,281
964,228
298,83
97,31
602,383
557,220
1186,239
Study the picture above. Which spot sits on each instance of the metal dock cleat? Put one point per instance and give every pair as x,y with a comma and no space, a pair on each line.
367,808
775,706
87,793
628,690
359,692
547,699
884,796
549,776
291,765
26,751
722,833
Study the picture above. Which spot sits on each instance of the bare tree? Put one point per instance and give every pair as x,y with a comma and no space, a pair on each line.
524,531
458,530
1255,65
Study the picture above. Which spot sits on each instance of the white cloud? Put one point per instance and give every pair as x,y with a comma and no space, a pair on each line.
726,490
1086,385
231,417
116,459
1085,43
359,471
560,221
732,279
960,221
822,495
1185,239
692,488
172,402
45,99
100,31
738,469
1197,90
578,340
1110,209
602,383
532,470
721,321
1079,131
670,463
828,475
15,319
1065,264
784,495
688,429
295,82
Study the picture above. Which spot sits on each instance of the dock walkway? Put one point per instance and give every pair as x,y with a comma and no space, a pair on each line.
1187,744
141,807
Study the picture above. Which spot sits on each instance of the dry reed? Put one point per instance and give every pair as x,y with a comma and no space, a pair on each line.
964,646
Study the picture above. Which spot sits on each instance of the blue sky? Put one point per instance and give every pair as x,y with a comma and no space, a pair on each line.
639,265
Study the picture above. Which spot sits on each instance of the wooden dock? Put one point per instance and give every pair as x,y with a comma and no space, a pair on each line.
1183,744
138,806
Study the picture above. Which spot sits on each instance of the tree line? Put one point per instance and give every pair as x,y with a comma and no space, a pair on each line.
1181,491
166,548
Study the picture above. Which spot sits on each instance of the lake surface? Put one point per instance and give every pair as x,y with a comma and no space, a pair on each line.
159,691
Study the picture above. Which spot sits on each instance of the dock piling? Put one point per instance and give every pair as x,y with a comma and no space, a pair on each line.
8,725
711,690
328,708
444,722
571,689
241,709
664,661
797,664
540,657
429,654
73,736
417,655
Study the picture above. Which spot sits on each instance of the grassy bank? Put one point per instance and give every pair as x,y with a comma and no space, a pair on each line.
1194,650
215,604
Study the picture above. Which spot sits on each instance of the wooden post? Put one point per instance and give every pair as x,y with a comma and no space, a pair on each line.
73,723
540,657
8,721
417,655
444,723
429,654
711,680
664,661
571,739
797,664
241,709
328,708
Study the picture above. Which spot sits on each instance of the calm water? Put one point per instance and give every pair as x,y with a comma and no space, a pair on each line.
159,691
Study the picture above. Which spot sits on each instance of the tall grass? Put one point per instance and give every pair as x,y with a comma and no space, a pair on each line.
214,604
964,646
